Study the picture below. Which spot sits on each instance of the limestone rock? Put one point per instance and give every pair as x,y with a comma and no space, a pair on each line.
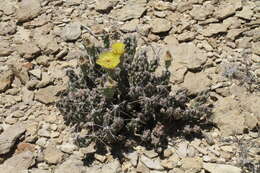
71,165
68,148
133,157
47,95
182,149
6,79
130,26
7,28
134,9
186,36
151,163
225,11
245,13
200,13
28,9
47,43
237,4
9,137
21,162
256,48
150,153
36,73
5,48
192,164
213,29
233,33
188,55
71,32
228,117
52,155
8,7
104,5
184,6
112,167
216,168
196,82
28,50
27,96
36,170
160,25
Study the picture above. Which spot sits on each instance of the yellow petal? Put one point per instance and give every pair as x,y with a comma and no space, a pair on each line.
118,48
108,60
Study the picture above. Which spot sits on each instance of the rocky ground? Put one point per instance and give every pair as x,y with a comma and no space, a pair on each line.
215,46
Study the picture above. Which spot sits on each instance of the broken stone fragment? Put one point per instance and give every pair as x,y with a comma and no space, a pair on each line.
6,79
27,10
9,137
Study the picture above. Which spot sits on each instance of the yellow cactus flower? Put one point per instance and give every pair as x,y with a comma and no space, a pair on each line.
118,48
108,60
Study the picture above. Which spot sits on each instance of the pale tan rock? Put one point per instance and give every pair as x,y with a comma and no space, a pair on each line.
71,165
233,22
167,164
160,25
196,82
184,6
245,13
52,155
134,9
8,7
130,26
233,33
28,50
186,36
9,137
71,32
188,55
256,48
48,95
100,158
47,43
216,168
192,164
6,79
224,11
28,9
213,29
21,162
228,117
151,163
5,48
201,13
104,5
7,28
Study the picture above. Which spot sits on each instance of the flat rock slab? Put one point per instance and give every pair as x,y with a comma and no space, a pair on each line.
196,82
71,32
213,29
47,95
134,9
160,25
9,137
228,116
217,168
151,163
188,55
71,165
6,79
28,9
19,162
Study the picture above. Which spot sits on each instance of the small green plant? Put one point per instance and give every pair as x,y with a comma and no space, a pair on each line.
117,98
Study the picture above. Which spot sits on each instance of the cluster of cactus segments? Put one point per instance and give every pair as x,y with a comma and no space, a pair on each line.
117,98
